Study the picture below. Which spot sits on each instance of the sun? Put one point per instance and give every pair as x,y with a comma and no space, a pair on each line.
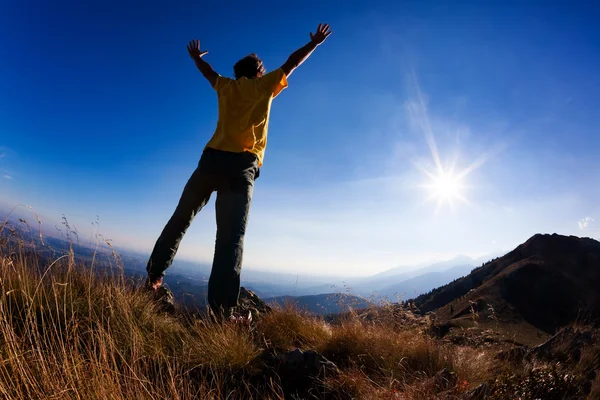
446,187
445,184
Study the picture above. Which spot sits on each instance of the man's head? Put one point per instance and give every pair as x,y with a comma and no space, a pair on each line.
250,67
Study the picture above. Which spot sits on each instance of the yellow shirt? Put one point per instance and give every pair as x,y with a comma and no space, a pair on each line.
244,108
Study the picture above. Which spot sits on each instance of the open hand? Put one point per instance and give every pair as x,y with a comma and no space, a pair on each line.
193,48
323,32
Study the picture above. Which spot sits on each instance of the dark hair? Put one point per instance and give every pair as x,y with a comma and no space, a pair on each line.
250,67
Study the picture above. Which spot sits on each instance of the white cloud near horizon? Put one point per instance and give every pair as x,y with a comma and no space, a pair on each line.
585,223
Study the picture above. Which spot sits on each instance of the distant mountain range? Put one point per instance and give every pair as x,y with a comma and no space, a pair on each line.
541,285
188,280
322,304
191,278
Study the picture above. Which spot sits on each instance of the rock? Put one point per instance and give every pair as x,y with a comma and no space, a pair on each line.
165,299
301,372
249,301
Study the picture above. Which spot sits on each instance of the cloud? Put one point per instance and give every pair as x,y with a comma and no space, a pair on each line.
7,177
584,223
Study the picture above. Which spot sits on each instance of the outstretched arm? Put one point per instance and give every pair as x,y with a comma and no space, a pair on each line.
300,55
194,49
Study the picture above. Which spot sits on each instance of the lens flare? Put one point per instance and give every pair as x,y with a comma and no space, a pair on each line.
446,187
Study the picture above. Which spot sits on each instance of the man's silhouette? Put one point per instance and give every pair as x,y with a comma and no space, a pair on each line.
229,165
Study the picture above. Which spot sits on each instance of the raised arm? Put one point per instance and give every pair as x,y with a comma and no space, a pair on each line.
300,55
194,49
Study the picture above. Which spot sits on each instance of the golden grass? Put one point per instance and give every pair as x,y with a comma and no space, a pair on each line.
67,331
288,328
385,352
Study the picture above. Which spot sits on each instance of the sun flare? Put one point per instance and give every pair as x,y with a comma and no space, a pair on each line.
445,187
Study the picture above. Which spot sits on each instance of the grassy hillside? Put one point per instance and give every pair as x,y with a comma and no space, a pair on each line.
568,259
70,331
544,284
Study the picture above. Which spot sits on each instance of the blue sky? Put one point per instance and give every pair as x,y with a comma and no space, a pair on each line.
103,113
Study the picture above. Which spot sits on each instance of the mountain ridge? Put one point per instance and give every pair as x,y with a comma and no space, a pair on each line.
546,283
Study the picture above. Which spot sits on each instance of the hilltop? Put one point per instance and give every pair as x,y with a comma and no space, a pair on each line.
544,284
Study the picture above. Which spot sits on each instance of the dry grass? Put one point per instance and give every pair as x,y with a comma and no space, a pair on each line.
69,331
385,353
288,328
355,384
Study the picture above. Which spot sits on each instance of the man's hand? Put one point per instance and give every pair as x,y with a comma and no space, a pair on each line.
193,48
300,55
323,32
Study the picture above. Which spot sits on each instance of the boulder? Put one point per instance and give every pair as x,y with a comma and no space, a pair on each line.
248,301
165,299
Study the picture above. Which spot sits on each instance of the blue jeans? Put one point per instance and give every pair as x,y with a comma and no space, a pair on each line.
232,176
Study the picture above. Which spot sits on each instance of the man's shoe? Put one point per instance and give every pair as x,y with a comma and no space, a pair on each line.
154,283
162,295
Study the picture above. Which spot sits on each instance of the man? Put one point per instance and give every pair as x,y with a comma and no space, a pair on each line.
229,165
